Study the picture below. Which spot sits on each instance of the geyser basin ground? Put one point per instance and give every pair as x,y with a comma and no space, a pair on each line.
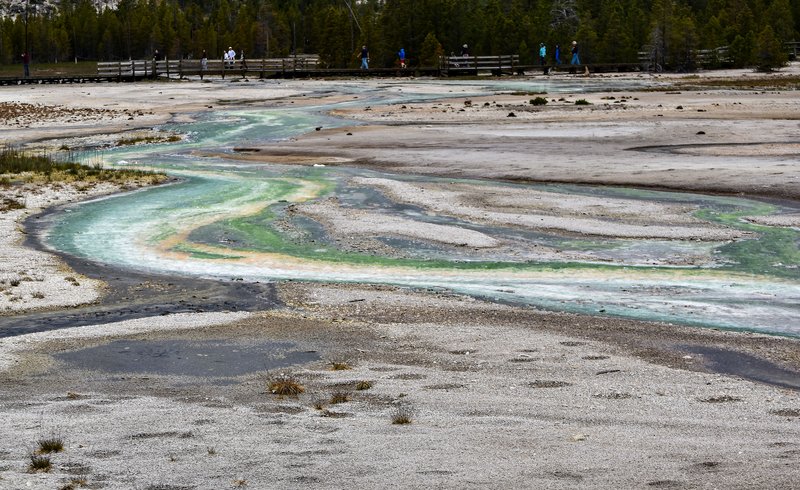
500,396
686,258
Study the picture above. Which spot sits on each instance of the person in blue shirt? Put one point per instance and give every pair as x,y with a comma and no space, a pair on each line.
402,56
558,54
575,59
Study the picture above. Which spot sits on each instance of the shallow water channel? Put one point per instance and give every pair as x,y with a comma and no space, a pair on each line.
235,220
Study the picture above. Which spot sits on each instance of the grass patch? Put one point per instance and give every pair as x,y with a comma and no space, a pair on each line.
39,464
51,444
51,169
285,386
363,385
582,102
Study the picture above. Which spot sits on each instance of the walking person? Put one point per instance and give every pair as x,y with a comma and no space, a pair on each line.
575,58
203,63
402,56
26,64
542,54
231,57
364,58
558,54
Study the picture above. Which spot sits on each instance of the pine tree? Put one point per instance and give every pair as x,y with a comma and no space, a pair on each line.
769,53
430,51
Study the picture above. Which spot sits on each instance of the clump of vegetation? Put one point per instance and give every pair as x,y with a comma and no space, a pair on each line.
402,416
285,386
721,399
339,397
340,366
582,102
9,204
38,295
39,464
144,140
363,385
51,444
539,101
31,167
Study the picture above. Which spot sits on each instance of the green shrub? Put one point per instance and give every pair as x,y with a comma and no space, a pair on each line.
539,101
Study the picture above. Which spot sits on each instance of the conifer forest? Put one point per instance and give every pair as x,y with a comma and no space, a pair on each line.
750,32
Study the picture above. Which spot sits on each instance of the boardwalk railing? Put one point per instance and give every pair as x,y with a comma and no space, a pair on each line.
472,65
181,68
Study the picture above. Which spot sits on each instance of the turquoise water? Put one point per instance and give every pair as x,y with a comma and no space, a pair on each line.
228,220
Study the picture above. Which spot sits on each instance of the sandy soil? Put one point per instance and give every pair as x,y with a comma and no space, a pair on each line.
497,396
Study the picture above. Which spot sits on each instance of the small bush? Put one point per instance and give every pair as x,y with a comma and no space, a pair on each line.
285,386
363,385
14,283
39,464
582,102
539,101
51,445
38,295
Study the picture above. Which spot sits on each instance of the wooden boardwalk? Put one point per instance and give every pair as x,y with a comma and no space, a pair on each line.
304,67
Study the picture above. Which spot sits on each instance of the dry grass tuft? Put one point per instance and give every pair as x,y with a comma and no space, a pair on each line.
51,444
339,397
39,464
340,366
403,416
285,386
363,385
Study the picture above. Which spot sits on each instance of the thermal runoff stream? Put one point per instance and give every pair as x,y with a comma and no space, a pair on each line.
682,258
